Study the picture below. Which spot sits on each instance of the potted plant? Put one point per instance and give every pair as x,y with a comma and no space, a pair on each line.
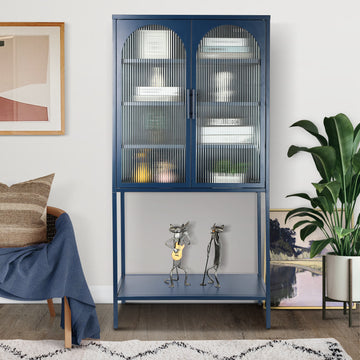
337,160
227,171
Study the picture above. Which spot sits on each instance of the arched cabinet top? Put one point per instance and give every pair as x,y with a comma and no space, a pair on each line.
153,41
228,42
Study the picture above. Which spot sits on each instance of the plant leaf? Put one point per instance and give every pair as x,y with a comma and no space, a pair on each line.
319,187
356,162
294,150
357,245
301,195
341,232
311,128
317,246
299,223
353,189
322,202
324,158
330,190
315,202
303,222
305,211
356,138
307,230
341,134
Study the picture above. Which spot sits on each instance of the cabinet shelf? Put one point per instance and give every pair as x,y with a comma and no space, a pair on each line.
152,287
153,61
153,103
153,146
230,103
228,145
219,61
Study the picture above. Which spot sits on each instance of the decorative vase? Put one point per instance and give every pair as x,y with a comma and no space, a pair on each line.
337,277
165,172
142,172
223,85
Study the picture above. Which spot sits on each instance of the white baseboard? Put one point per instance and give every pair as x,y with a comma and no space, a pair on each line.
8,301
100,294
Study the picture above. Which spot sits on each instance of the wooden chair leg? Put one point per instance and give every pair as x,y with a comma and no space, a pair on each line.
67,323
51,307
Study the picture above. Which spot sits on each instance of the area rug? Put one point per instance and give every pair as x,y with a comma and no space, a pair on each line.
302,349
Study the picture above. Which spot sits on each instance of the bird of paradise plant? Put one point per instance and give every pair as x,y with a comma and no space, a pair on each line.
337,160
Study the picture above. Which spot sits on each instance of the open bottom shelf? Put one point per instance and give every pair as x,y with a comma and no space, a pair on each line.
152,287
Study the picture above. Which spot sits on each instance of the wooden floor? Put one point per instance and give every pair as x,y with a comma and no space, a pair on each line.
188,322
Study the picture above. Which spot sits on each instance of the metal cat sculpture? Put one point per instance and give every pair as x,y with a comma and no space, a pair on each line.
177,243
215,230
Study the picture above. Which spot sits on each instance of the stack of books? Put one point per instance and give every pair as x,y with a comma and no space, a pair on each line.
157,93
225,48
227,135
225,121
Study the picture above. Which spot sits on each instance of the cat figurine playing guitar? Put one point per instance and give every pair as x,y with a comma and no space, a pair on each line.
177,243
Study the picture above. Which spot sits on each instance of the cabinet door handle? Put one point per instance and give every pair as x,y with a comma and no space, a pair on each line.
188,103
193,103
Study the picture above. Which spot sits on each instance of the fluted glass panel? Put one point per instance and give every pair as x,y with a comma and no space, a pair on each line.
228,107
153,107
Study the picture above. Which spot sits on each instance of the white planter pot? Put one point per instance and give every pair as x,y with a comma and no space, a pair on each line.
337,277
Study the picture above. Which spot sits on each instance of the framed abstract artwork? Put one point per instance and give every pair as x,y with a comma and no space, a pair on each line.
296,280
32,78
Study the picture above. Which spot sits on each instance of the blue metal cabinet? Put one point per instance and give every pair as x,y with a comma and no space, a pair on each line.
191,113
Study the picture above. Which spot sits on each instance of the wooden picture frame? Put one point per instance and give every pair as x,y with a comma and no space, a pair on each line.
32,82
296,281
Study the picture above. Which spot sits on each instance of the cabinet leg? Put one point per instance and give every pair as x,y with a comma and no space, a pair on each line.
116,314
268,314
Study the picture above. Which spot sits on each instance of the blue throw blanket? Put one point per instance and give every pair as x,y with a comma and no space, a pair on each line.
51,270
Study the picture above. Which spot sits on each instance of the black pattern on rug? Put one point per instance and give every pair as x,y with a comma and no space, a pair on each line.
333,347
20,355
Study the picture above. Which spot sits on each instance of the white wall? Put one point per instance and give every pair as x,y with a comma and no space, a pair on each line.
314,73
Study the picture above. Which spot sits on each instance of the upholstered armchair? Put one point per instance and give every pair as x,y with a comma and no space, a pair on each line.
39,258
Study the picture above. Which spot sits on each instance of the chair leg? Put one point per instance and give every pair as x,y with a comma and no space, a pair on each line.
51,307
67,323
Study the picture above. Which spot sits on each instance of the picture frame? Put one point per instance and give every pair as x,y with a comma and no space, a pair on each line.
295,279
32,83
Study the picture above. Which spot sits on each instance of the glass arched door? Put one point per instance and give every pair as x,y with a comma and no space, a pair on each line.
153,107
228,107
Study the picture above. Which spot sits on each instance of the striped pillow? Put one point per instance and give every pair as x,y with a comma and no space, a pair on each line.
23,212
